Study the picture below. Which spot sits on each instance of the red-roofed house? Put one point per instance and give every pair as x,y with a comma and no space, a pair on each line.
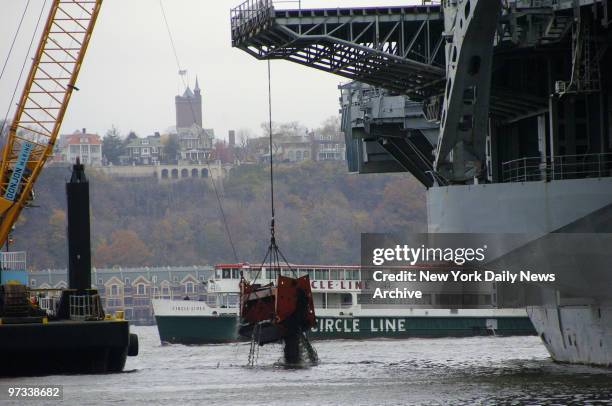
87,147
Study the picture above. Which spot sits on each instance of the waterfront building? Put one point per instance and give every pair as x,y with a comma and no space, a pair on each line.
132,289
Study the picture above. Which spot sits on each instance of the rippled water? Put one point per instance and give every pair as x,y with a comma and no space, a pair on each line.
482,370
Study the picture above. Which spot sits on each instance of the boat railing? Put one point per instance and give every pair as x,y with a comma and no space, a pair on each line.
559,4
560,167
335,306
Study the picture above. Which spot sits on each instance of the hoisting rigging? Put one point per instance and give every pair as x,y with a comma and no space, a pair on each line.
283,311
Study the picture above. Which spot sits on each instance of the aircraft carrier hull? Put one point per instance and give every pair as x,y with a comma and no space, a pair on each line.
574,315
576,334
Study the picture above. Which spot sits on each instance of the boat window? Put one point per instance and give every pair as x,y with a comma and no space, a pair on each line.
319,300
333,274
346,300
311,274
235,273
227,273
232,300
217,273
340,274
322,274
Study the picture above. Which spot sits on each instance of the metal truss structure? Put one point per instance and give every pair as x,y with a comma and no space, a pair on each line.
398,48
43,103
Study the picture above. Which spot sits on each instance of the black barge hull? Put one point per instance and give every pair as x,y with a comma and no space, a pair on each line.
65,347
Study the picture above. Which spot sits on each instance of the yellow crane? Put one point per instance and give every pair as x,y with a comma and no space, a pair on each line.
41,108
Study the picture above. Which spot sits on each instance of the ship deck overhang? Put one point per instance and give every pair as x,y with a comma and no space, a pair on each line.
397,48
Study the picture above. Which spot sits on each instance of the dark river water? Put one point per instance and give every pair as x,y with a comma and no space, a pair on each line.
467,371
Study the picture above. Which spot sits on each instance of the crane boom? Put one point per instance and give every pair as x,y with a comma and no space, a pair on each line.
41,108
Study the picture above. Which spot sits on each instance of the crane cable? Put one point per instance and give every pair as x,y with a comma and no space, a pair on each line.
272,225
25,60
212,179
274,255
8,55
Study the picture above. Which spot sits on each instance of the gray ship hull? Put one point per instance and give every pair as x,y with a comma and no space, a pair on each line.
573,316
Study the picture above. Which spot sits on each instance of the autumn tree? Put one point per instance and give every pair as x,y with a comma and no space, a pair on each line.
124,248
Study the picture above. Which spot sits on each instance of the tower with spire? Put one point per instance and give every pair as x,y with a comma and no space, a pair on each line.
189,107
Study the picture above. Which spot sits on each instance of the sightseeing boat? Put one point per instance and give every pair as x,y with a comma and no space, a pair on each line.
340,303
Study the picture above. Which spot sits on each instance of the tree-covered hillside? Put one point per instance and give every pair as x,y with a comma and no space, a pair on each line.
321,211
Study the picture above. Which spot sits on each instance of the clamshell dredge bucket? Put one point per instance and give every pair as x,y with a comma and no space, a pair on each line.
273,313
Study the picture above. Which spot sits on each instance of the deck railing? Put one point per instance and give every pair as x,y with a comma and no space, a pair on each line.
254,14
532,169
249,16
13,260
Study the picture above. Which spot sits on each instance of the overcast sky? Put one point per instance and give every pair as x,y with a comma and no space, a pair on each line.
129,77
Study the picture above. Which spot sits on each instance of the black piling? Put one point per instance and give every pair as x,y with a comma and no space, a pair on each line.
79,244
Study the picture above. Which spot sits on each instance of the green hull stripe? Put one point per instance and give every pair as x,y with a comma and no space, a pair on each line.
203,330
